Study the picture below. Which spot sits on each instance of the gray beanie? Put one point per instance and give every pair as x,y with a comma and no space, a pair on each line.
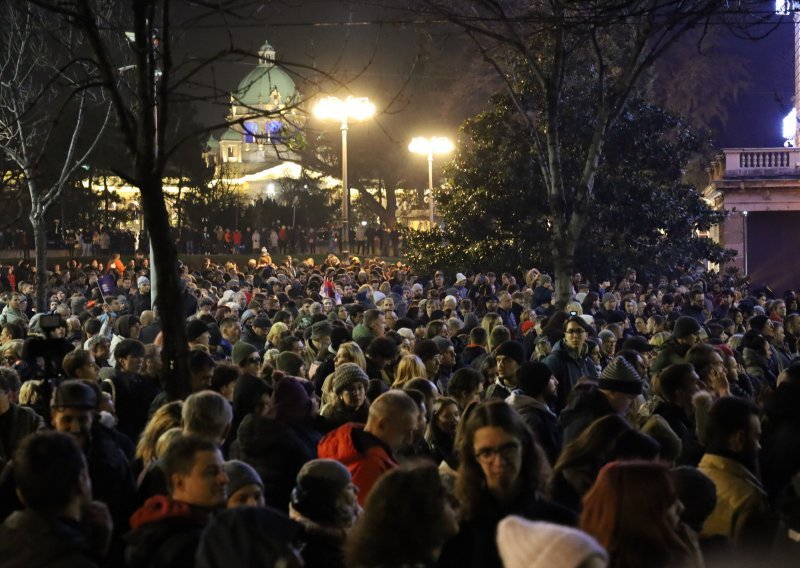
348,374
620,376
316,494
241,475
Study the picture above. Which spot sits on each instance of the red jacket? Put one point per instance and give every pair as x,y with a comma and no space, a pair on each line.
365,467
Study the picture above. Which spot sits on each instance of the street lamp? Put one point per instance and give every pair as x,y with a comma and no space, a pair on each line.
431,146
352,108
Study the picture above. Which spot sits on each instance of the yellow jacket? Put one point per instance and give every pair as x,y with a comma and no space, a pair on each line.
742,512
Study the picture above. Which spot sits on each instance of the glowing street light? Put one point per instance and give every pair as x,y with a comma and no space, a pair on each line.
355,109
431,146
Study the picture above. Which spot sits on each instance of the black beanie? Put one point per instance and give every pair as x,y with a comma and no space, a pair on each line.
685,326
532,378
513,350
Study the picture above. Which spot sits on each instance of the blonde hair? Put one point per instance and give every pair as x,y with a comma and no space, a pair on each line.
165,418
165,439
354,354
491,321
409,368
276,332
659,338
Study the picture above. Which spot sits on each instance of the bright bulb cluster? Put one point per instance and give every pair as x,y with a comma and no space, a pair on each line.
435,145
352,108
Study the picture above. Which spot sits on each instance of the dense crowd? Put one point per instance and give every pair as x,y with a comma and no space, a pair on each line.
359,414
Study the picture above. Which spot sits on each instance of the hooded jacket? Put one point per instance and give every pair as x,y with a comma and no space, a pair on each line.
541,420
568,368
363,454
166,534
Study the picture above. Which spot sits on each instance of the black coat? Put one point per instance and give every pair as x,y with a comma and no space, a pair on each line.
684,428
33,540
587,407
475,544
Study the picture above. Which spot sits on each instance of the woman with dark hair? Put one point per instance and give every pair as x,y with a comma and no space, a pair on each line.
591,303
441,432
501,472
554,328
633,510
407,518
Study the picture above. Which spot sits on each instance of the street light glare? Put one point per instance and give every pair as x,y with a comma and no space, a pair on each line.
353,108
434,145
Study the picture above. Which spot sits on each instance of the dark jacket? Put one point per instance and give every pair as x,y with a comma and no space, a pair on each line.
165,534
34,540
140,303
568,367
542,421
133,394
671,353
475,544
587,407
250,337
247,393
276,451
684,427
471,353
16,424
112,479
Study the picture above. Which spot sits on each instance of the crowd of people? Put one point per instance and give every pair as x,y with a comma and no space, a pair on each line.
359,414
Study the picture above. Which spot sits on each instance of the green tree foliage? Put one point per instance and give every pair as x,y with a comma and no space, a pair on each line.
496,214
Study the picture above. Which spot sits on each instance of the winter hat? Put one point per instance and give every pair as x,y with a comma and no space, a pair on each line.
241,475
339,335
348,374
620,376
317,490
142,281
406,333
261,321
289,363
241,351
460,278
512,349
378,296
442,343
638,343
290,401
426,349
533,378
321,329
451,299
246,315
528,544
74,394
195,329
685,326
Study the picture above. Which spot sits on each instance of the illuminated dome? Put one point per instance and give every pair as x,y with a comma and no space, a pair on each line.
266,83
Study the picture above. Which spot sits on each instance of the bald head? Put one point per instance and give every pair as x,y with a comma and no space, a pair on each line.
393,418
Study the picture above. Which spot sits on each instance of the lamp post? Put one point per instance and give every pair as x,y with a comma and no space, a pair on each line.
431,146
352,108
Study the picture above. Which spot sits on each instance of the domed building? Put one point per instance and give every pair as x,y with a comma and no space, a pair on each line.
265,126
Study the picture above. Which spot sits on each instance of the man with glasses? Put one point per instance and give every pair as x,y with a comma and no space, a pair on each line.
569,360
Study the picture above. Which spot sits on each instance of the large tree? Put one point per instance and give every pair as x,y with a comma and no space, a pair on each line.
538,47
495,209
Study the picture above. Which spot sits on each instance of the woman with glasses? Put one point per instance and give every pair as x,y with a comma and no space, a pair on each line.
501,472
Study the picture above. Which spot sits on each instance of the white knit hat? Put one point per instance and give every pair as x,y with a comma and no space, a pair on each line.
528,544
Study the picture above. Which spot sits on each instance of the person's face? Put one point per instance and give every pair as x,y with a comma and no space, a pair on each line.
574,336
115,306
505,302
431,307
397,429
201,379
204,485
354,396
432,366
491,374
327,305
390,319
9,358
595,355
778,334
89,371
491,305
14,302
379,326
248,496
438,280
499,454
252,364
641,325
341,311
630,306
5,336
388,305
470,397
667,308
609,345
131,363
610,304
448,418
698,300
620,402
507,367
74,421
448,358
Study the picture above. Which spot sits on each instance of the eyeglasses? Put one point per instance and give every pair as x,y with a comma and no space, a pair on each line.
576,331
507,452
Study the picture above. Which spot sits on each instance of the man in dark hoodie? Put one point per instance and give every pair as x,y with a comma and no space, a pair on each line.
569,360
536,390
167,529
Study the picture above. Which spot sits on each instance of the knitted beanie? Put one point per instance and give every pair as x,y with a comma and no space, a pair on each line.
195,329
241,475
528,544
685,326
620,376
513,350
289,362
348,374
241,351
533,378
316,494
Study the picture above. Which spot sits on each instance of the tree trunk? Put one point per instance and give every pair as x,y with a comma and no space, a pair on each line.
175,352
563,268
40,243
